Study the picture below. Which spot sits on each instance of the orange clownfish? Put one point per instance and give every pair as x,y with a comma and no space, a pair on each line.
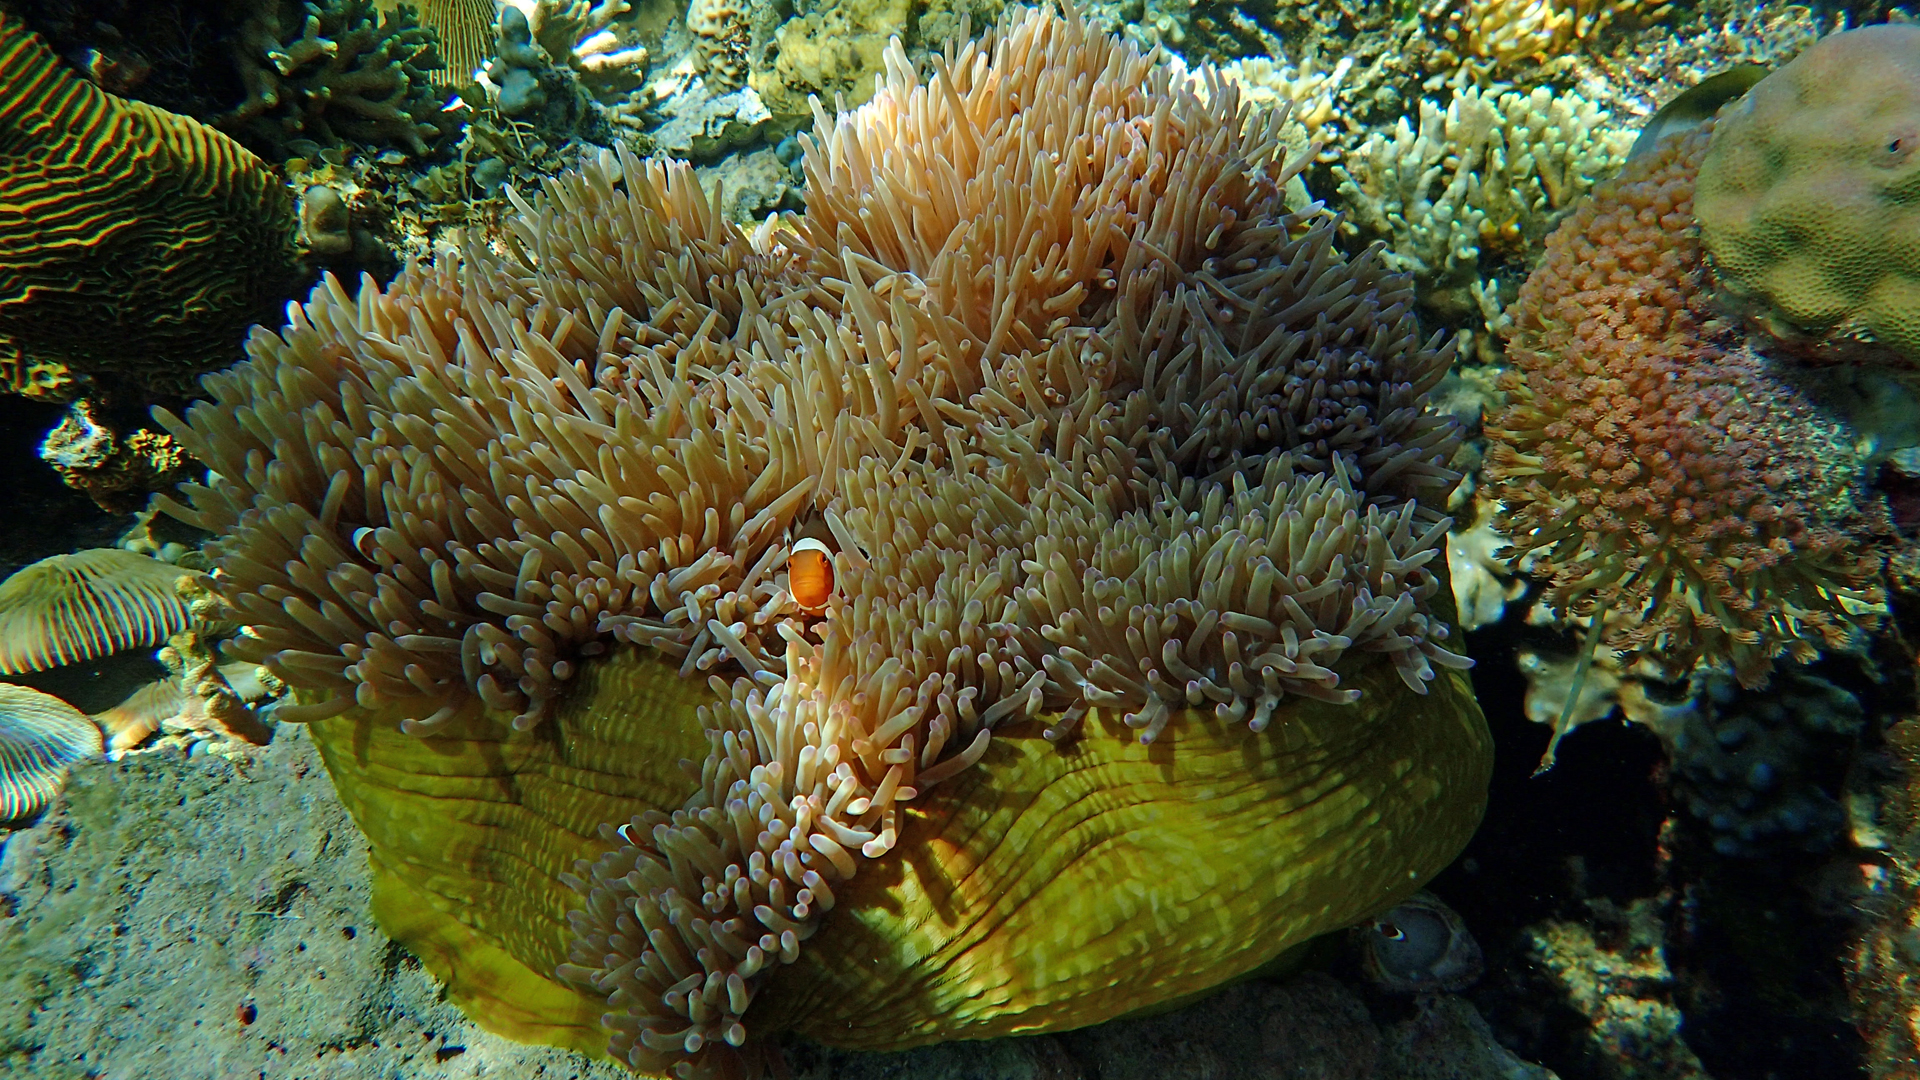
810,575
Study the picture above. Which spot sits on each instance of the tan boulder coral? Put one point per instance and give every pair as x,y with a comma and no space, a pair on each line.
1809,197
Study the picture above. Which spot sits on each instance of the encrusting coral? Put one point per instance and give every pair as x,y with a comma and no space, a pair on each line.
1807,196
1105,440
135,245
1651,470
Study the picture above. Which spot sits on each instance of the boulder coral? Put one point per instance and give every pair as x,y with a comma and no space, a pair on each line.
135,244
1117,457
1654,471
1809,196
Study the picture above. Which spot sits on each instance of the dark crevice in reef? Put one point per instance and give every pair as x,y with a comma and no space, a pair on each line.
1752,942
42,515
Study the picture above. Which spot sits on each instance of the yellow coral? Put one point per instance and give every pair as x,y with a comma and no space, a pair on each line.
1511,31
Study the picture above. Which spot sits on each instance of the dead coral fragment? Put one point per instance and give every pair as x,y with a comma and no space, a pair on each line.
40,735
69,608
116,471
135,245
1655,473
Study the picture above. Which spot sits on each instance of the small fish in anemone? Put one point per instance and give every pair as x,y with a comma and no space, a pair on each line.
810,575
1135,575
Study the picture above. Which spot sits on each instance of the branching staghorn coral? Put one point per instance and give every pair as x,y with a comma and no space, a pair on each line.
579,35
335,71
1658,477
1097,427
1478,184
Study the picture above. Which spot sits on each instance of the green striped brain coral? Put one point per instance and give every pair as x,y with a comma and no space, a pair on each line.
1134,674
136,245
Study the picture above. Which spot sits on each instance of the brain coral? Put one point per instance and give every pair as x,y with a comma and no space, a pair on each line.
135,245
1809,197
1107,442
1654,472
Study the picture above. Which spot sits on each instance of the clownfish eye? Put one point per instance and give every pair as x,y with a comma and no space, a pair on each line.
810,575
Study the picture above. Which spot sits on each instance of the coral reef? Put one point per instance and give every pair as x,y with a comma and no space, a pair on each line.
1656,474
1806,196
833,51
135,245
1883,967
722,37
196,705
1104,441
116,471
1476,187
1483,583
465,32
334,72
40,735
68,608
1502,35
1308,92
580,36
1615,973
561,78
1742,761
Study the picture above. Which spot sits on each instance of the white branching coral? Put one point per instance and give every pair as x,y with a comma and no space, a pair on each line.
1309,89
1478,183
